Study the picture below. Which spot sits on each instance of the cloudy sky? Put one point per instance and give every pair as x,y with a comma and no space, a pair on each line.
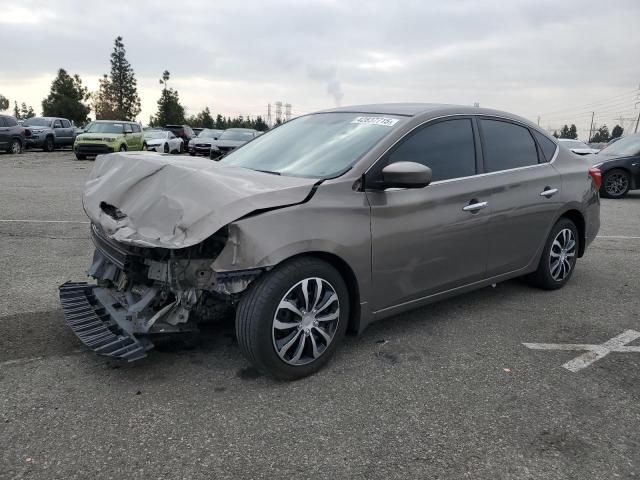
559,60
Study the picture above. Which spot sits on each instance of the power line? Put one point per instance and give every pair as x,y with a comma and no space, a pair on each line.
581,107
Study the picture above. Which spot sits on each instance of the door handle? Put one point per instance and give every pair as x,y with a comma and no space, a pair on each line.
548,192
474,207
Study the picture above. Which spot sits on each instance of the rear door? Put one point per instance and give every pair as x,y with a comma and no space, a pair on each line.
67,130
433,239
525,194
4,133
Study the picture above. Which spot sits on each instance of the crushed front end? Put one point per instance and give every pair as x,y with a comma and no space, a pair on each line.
144,292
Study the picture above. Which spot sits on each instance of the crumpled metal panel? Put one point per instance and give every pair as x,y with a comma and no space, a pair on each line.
176,202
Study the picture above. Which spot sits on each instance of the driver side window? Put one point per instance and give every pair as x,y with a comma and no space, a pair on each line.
447,147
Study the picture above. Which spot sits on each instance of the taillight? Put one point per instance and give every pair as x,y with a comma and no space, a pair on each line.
596,177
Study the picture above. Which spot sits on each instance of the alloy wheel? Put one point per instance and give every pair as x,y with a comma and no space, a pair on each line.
616,184
562,254
306,321
15,147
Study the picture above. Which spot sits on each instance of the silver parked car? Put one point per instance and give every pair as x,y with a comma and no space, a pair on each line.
326,224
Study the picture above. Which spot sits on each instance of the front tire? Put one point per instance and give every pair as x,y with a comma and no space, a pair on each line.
559,256
615,183
291,320
15,147
166,148
49,144
123,148
81,157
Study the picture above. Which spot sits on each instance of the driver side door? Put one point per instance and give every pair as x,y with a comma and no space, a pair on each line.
434,239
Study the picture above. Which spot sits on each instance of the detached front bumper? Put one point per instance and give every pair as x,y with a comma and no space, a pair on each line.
94,326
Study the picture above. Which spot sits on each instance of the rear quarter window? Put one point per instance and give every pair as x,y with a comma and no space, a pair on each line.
547,146
10,121
506,146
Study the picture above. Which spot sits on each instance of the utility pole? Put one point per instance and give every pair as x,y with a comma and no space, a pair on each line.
538,120
638,120
591,127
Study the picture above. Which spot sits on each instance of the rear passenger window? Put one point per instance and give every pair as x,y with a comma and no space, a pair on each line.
506,146
446,147
65,123
10,121
136,128
547,146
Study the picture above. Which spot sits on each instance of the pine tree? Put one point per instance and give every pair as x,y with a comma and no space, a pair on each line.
122,85
573,132
4,103
66,99
103,103
169,109
16,111
617,132
26,111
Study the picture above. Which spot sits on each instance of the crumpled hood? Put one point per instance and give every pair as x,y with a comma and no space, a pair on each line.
152,200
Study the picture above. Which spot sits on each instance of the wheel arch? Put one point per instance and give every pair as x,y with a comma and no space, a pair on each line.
578,219
349,277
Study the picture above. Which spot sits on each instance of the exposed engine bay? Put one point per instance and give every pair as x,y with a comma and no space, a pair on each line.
156,290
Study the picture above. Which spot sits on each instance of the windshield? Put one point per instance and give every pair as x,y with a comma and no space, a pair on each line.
238,135
155,134
574,144
102,127
208,133
321,146
37,122
625,146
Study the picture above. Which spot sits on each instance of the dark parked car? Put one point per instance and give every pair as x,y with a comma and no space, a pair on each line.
201,145
327,223
182,131
12,135
231,139
620,166
48,133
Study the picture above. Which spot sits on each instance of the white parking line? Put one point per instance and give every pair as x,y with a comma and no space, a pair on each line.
593,352
44,221
618,236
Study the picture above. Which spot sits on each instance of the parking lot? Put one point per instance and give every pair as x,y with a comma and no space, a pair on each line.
447,391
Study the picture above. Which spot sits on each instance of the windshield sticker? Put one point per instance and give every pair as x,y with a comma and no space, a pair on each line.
384,121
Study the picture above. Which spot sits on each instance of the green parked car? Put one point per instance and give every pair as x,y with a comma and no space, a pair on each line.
106,136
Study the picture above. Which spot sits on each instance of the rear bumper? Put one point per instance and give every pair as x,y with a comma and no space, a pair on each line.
95,327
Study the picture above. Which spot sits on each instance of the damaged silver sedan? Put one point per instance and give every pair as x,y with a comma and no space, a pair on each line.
323,225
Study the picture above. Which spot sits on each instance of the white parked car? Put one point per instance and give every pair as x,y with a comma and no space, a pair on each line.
577,147
162,141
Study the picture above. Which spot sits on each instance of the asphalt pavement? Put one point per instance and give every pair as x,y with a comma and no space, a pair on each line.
445,392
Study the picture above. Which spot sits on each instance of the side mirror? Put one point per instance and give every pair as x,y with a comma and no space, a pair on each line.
406,175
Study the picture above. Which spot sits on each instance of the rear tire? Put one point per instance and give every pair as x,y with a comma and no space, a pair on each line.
312,334
559,256
615,183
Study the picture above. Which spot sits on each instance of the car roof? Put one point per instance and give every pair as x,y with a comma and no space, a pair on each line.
113,121
424,109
